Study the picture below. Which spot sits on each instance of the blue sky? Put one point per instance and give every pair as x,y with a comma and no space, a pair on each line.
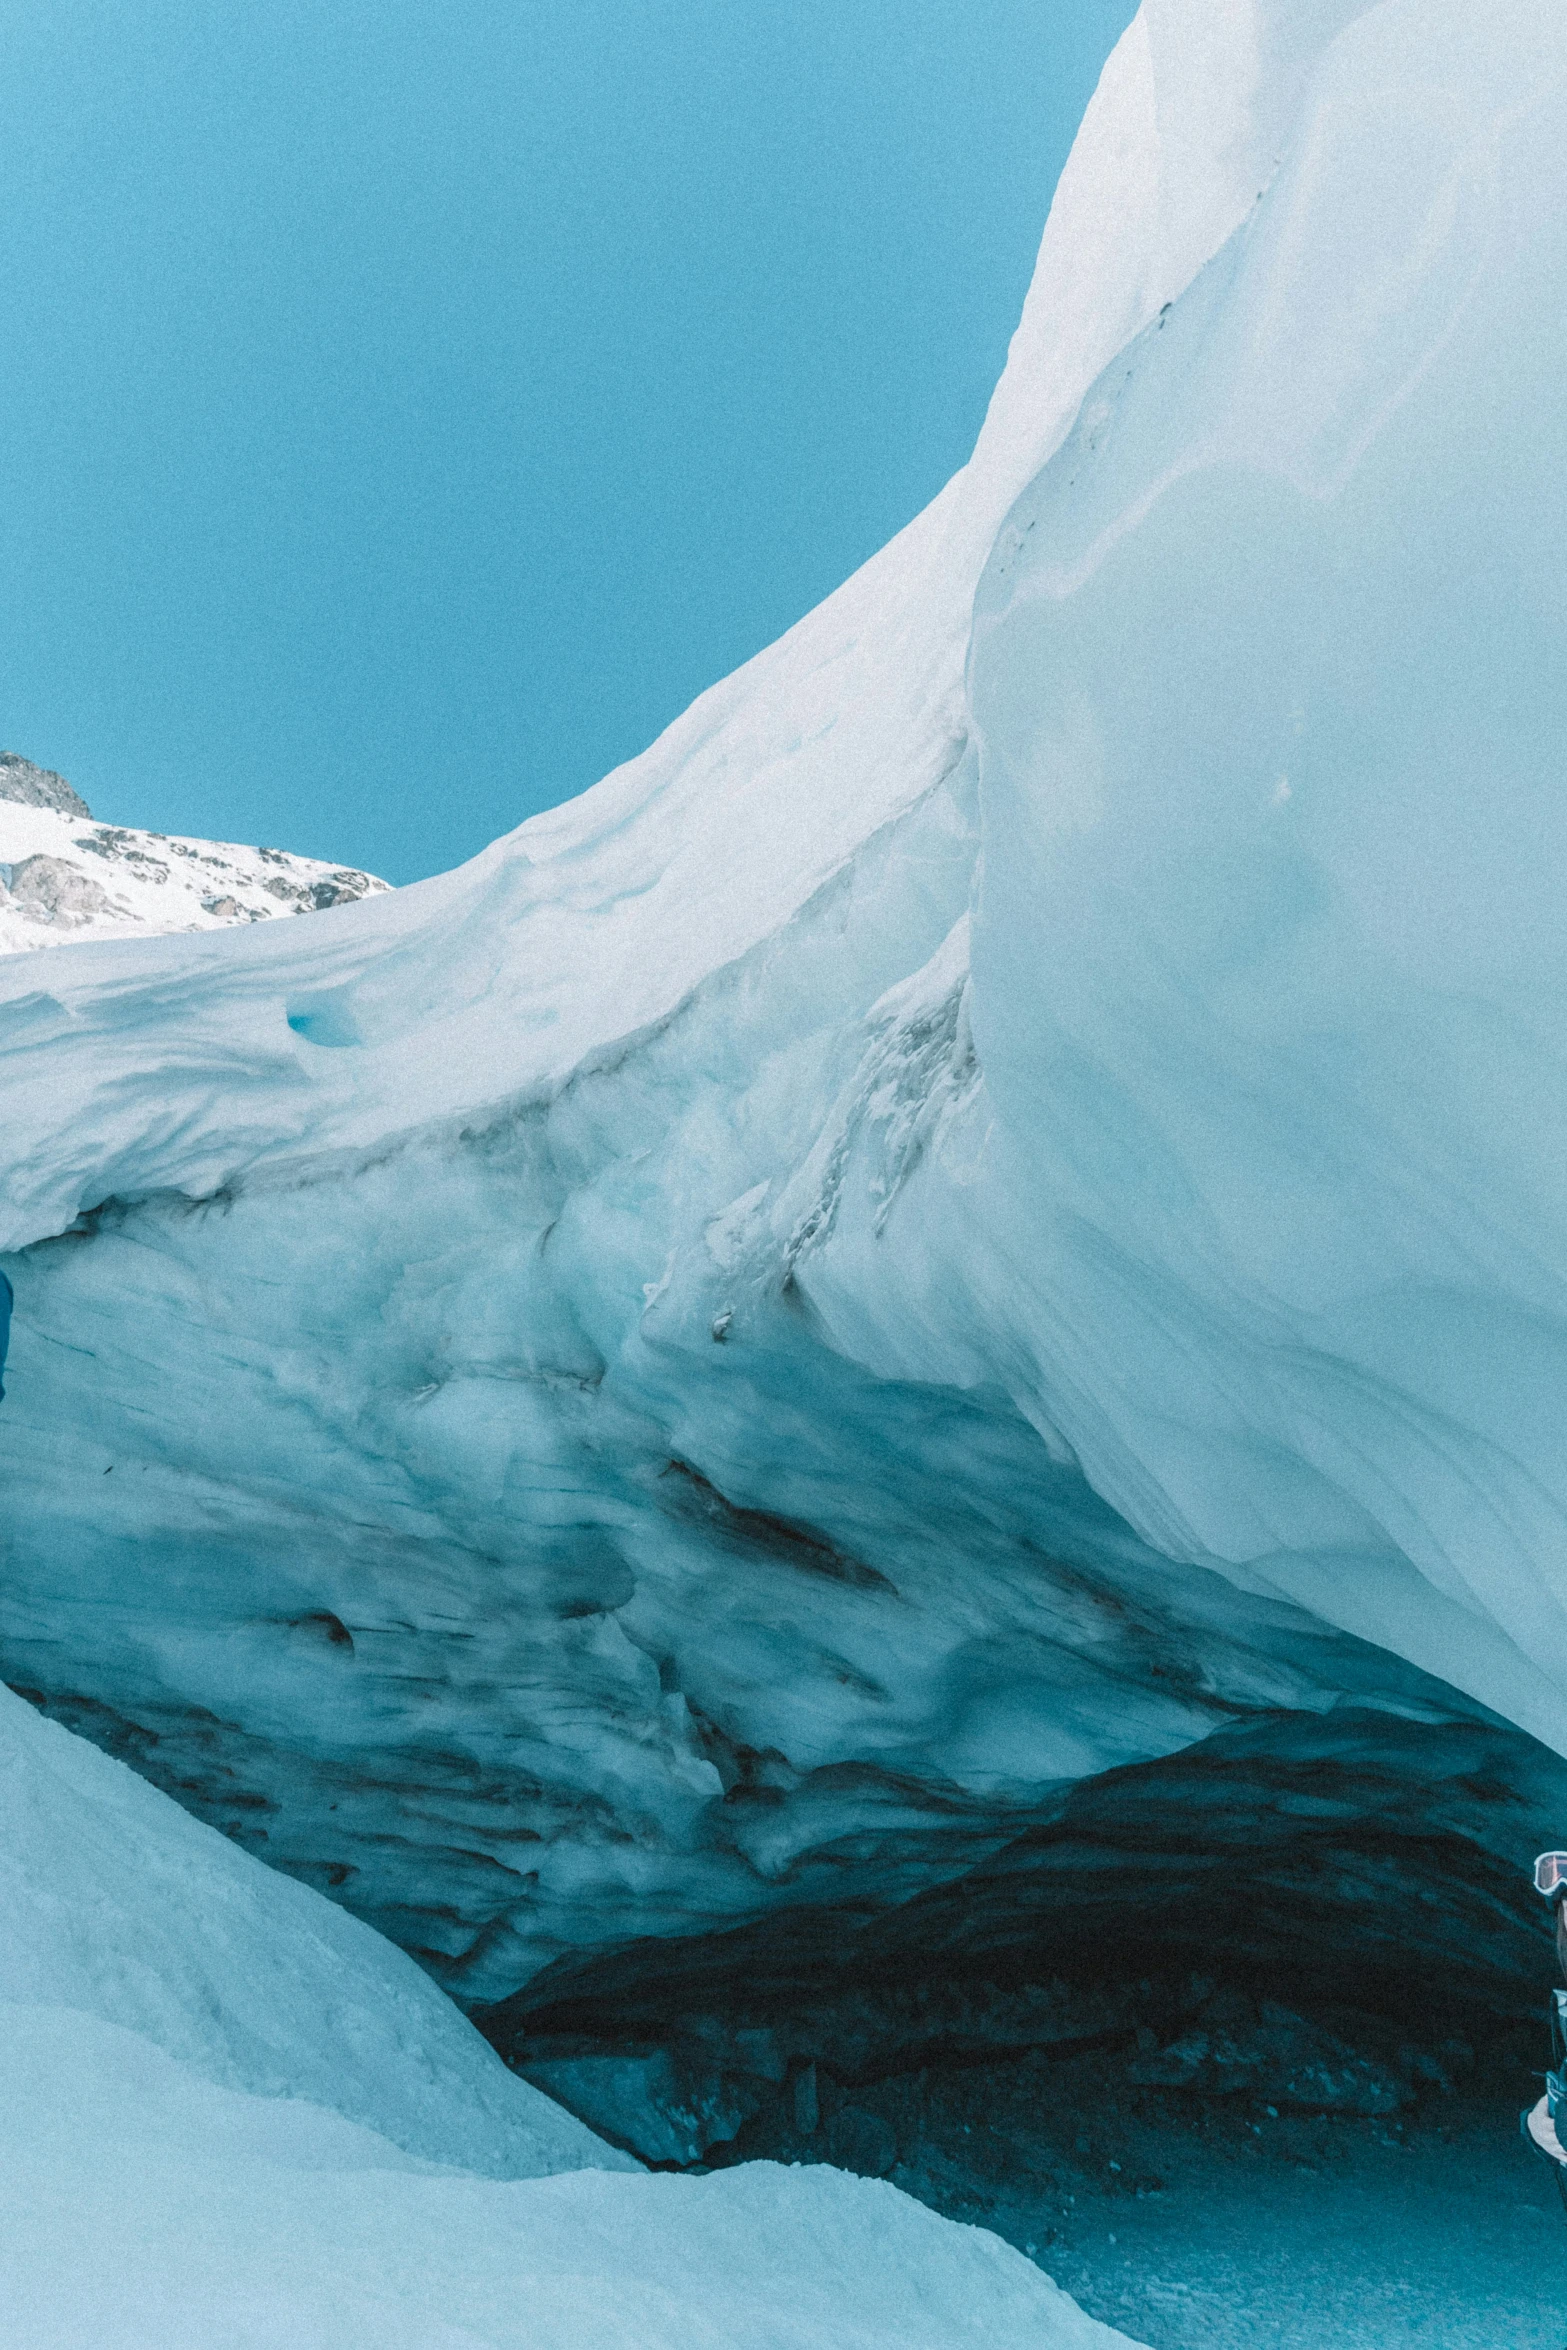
408,407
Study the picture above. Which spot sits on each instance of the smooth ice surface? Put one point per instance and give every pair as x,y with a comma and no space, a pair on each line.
1284,1129
232,2116
988,1207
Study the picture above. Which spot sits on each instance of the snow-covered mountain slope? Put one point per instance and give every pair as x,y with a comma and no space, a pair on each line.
987,1211
64,878
234,2115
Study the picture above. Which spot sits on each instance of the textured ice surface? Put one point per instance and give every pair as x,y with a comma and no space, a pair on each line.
984,1211
233,2115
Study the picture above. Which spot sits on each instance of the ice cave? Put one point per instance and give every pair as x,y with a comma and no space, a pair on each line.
869,1433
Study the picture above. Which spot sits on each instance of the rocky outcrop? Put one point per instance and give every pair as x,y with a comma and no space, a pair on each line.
49,889
38,787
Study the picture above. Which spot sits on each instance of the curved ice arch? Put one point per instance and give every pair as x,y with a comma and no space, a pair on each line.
681,1155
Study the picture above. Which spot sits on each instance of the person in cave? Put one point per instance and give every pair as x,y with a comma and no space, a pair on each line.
1541,2122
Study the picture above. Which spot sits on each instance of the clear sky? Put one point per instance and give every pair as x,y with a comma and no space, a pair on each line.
407,406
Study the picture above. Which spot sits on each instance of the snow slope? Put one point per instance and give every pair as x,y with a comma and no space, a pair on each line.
65,879
117,1907
595,921
988,1208
149,2211
234,2117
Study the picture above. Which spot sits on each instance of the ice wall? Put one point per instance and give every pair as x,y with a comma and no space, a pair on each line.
987,1211
1283,1129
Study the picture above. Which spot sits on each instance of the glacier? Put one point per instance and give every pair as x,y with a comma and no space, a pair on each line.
950,1289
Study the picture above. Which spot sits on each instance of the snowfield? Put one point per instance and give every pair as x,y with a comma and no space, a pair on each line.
986,1214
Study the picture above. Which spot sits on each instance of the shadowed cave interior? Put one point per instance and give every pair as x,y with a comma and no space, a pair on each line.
1355,1873
1043,2047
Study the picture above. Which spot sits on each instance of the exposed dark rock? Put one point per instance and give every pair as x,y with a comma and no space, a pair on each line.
38,787
341,888
860,2141
1237,2048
